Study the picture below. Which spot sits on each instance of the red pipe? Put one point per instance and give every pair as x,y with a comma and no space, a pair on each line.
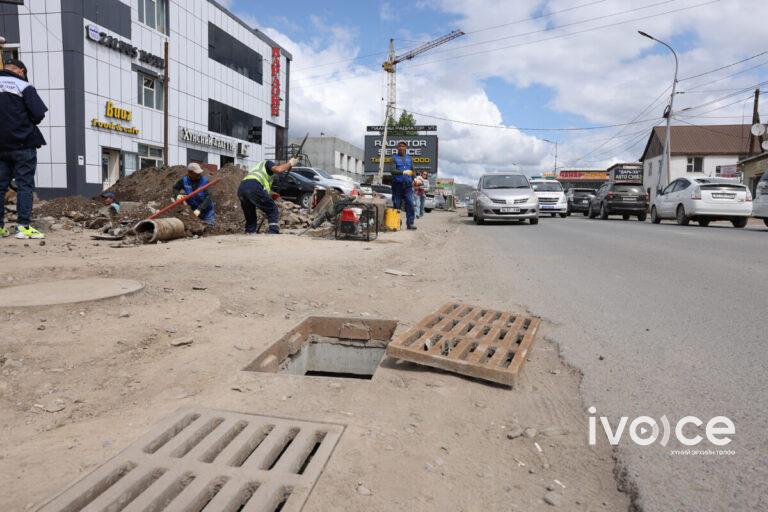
179,201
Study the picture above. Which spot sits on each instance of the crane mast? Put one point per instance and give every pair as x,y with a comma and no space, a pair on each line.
390,67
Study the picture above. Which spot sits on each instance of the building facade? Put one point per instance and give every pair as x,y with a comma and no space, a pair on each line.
100,67
710,149
334,155
582,178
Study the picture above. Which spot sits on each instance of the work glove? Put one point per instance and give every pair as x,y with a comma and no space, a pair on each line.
294,162
197,213
180,196
275,196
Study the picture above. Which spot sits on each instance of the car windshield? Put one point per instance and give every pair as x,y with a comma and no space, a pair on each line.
300,178
630,189
582,191
547,186
498,181
324,174
382,189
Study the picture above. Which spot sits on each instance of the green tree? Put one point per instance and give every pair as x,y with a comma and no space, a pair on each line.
404,125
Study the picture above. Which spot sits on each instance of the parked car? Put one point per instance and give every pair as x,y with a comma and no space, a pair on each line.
471,204
703,199
617,198
296,188
551,197
507,196
429,203
384,190
325,179
578,199
760,205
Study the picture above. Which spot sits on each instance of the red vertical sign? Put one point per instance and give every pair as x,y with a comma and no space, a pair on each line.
275,82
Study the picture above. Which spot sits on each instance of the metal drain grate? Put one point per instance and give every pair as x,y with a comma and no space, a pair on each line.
481,343
205,460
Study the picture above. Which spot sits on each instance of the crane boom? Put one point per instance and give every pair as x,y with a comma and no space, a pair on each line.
390,66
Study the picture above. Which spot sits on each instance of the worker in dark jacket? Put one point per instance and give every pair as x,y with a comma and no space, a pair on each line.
201,204
402,183
21,110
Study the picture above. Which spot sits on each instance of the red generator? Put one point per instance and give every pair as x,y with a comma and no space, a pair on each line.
358,222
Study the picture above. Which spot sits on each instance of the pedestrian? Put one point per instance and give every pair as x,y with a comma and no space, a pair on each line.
21,110
420,189
402,183
202,203
255,191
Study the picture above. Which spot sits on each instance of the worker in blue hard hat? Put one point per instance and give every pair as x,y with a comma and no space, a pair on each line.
402,183
202,203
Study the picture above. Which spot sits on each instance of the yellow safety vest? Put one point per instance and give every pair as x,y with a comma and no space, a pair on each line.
260,174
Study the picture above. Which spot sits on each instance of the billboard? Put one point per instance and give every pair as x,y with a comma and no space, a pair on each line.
627,174
422,148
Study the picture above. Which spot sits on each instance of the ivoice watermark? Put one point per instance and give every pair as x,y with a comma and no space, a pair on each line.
645,431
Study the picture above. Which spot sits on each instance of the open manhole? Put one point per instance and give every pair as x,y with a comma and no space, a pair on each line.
205,460
328,347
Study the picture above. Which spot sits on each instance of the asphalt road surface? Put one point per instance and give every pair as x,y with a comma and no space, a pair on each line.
662,321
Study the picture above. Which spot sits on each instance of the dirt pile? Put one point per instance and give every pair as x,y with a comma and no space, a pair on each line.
148,190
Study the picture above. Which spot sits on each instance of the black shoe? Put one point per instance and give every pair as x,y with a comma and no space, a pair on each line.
411,227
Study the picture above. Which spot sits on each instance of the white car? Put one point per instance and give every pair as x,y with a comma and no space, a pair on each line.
551,196
760,206
703,199
325,179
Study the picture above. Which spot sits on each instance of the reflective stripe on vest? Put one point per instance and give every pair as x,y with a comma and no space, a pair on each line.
260,174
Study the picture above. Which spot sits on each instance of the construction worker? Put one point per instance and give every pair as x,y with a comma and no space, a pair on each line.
402,183
112,210
201,204
21,110
255,191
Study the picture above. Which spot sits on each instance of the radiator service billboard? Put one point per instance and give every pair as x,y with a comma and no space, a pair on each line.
422,148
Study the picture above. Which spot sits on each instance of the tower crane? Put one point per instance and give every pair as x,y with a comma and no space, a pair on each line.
390,66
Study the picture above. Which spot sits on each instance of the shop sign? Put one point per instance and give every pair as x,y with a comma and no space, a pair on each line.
275,82
120,114
100,37
422,148
206,139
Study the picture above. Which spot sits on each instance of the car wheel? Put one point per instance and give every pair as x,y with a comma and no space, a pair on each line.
603,211
479,220
590,212
739,222
765,221
641,217
469,214
655,216
564,215
533,221
305,200
586,213
703,222
553,215
682,218
625,217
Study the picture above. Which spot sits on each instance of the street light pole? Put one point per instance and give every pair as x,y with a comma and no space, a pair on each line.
668,114
555,143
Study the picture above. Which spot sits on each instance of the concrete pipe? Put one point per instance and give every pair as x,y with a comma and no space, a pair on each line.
159,230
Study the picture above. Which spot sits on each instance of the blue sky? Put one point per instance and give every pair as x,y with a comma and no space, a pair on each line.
510,74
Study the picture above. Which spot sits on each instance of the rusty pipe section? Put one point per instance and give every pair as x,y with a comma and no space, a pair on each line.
159,230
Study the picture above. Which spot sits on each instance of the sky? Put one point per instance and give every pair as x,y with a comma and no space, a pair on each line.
527,73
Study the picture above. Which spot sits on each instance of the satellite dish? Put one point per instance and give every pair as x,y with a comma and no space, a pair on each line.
765,145
758,129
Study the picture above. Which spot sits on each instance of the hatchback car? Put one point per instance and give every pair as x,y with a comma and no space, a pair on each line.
703,199
760,205
325,179
578,199
507,196
551,197
617,198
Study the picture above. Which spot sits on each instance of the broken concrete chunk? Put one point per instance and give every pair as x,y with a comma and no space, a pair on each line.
355,331
553,498
363,490
181,342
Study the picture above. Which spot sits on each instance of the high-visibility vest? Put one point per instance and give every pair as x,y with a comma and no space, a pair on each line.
260,174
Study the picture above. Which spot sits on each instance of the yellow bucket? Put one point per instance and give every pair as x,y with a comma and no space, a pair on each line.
392,219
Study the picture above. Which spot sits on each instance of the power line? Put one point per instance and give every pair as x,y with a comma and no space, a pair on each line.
724,67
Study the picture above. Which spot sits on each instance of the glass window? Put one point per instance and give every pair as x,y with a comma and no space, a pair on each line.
152,13
235,123
150,93
669,187
547,186
502,181
150,156
130,163
226,50
695,164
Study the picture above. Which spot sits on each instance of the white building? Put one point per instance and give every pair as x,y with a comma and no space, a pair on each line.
99,66
334,155
710,149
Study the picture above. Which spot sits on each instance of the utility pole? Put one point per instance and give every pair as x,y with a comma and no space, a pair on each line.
666,153
755,120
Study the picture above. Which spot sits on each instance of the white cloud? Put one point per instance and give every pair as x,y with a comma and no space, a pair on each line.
606,76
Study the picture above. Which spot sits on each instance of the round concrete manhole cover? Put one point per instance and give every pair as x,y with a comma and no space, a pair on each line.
65,292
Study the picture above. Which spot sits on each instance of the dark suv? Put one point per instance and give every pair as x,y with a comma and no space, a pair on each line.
579,199
625,199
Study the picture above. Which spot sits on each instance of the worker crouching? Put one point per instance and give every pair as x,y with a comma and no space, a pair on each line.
255,191
202,204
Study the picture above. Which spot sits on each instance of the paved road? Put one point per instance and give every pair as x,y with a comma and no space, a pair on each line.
678,315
